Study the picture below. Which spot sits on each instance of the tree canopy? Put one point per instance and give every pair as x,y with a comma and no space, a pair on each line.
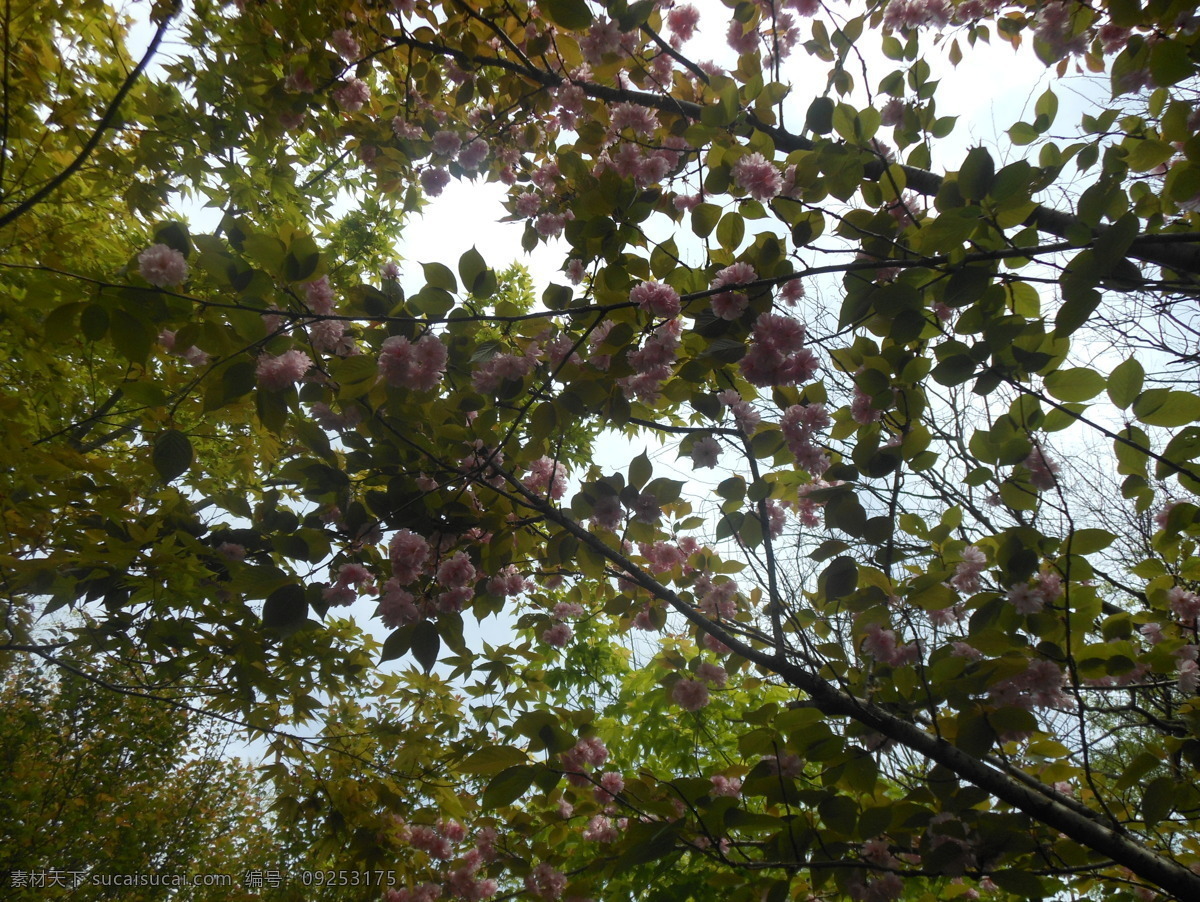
889,587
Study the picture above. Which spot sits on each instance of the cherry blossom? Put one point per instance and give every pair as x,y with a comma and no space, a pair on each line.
417,367
162,266
276,373
691,695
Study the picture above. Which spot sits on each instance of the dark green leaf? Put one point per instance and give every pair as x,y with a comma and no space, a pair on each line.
172,454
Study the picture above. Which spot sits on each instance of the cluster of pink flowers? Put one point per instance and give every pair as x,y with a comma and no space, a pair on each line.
712,673
611,785
757,176
586,753
662,557
777,355
1042,470
276,373
800,424
608,511
1040,685
682,21
558,635
806,507
416,367
1054,26
192,355
656,299
410,556
717,600
861,408
968,570
918,13
730,304
691,695
785,765
544,882
494,371
705,452
507,582
548,476
345,44
434,180
601,829
327,418
456,571
726,786
653,363
744,414
162,266
881,645
1184,605
352,95
1188,678
351,580
397,606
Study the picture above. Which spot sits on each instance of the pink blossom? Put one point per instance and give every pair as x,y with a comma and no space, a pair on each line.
607,512
319,296
352,95
791,291
604,37
706,452
1189,677
878,852
1042,470
757,176
1185,605
729,304
232,551
712,673
397,607
1152,632
601,829
682,20
642,120
428,840
715,645
575,271
409,553
508,582
611,785
406,130
545,882
964,650
277,373
657,299
892,112
297,81
546,475
434,180
446,143
456,570
691,695
1024,599
472,156
416,367
786,765
345,44
162,266
558,635
1039,685
741,40
966,574
726,786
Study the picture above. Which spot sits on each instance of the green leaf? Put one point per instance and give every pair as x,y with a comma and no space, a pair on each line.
1125,382
492,759
172,454
640,470
975,176
704,219
426,643
439,276
571,14
1170,62
840,578
731,230
509,785
1167,407
1158,800
819,118
1075,384
472,269
286,609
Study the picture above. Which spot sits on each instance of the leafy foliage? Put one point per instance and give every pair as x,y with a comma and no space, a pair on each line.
928,631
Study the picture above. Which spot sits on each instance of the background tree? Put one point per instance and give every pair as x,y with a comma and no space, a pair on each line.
933,665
